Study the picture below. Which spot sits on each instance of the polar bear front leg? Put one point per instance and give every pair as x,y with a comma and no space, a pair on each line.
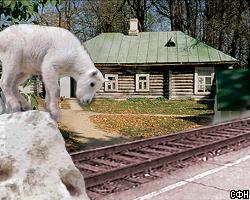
7,85
21,77
50,79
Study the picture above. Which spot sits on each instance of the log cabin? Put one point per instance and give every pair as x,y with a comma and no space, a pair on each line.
152,64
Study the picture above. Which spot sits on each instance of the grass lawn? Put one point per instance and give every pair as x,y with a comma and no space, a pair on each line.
148,106
125,117
137,127
141,126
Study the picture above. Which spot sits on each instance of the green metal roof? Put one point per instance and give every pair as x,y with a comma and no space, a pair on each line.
149,47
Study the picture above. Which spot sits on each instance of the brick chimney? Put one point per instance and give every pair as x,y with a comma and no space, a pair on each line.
133,31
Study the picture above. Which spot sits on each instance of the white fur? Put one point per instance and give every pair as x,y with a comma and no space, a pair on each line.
50,51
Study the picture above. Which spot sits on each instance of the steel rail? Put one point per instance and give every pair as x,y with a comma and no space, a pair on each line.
158,151
112,149
100,178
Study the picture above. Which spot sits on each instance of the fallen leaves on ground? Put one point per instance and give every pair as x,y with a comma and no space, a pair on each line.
147,126
150,106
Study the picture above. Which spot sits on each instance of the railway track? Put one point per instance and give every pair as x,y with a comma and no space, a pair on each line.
108,168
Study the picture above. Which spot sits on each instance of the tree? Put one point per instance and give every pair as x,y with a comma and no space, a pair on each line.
139,9
88,18
109,15
14,11
222,24
226,27
184,15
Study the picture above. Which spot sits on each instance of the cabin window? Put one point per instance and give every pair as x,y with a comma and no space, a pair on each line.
203,80
142,82
112,84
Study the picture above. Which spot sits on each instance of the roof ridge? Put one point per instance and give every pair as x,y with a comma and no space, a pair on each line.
188,49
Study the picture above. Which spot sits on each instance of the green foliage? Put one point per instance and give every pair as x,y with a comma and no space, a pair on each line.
135,99
31,98
28,82
150,106
65,133
161,98
17,10
233,89
109,99
55,2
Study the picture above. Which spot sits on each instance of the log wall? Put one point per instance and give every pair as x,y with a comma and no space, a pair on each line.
173,82
158,82
181,82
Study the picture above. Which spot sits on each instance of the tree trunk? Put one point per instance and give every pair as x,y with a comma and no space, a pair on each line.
236,34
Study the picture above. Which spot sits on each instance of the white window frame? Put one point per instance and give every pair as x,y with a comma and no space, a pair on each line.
137,82
107,83
196,82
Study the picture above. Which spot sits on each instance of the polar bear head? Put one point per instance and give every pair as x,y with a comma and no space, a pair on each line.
88,84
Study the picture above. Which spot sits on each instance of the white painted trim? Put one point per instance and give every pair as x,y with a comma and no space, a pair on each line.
106,84
196,79
137,82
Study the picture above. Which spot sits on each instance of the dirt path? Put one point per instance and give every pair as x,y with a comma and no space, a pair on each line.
85,131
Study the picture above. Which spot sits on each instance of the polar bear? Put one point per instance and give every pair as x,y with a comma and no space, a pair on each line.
27,49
